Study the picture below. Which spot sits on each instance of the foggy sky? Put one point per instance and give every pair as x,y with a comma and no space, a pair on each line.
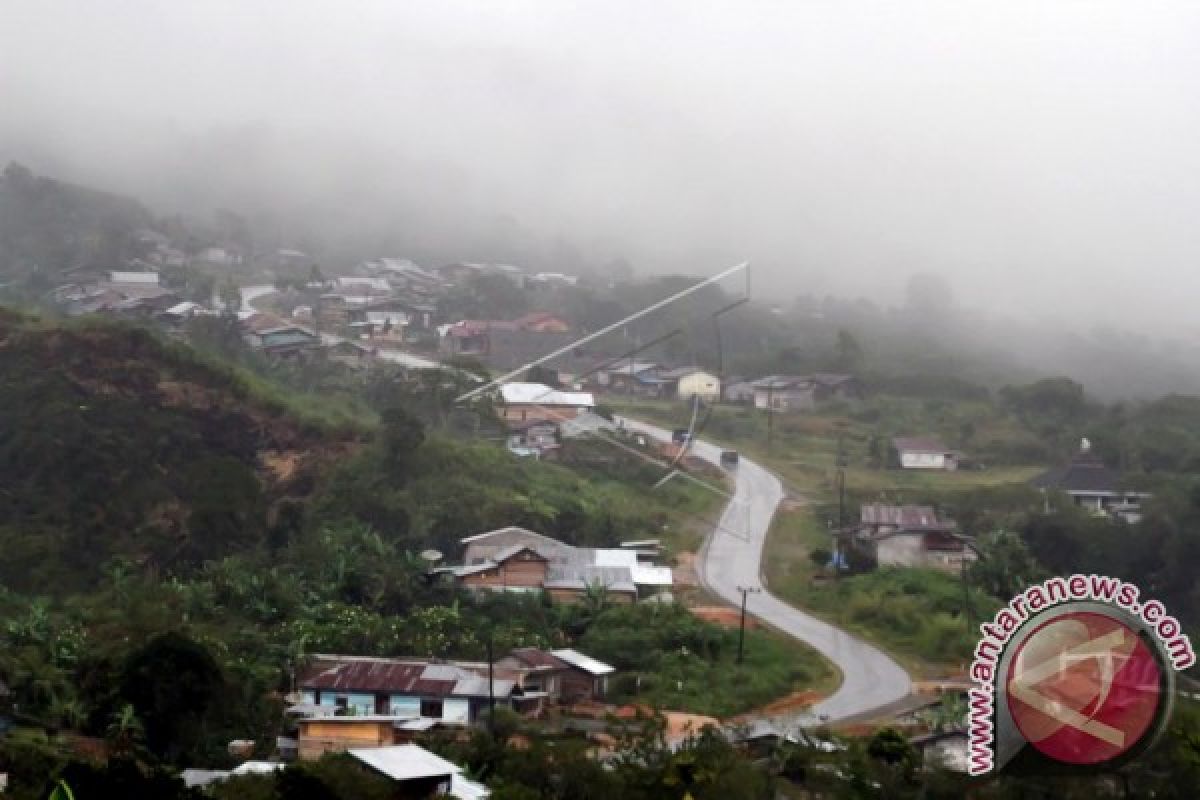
1043,156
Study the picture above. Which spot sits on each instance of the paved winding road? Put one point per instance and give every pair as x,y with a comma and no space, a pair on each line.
732,557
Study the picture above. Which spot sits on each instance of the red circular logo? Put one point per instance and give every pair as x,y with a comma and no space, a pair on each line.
1084,688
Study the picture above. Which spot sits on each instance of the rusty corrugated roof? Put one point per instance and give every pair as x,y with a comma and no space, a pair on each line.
366,676
358,674
537,658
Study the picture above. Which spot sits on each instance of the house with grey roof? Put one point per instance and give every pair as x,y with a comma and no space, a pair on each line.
911,536
924,452
1093,486
642,378
517,559
804,392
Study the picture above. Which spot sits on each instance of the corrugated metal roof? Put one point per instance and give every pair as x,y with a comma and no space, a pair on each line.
584,662
367,676
581,576
477,686
511,530
542,395
502,555
1085,473
470,569
356,674
779,382
612,557
652,576
909,518
405,762
118,276
536,658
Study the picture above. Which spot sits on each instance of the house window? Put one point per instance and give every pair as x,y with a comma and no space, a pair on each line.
341,703
431,708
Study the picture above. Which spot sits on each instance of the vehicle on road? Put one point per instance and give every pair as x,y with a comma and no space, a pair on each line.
729,458
681,436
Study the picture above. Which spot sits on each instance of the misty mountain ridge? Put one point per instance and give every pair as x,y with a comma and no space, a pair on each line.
50,229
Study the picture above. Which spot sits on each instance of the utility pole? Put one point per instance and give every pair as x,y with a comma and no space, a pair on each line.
745,590
962,571
841,518
770,414
491,689
967,611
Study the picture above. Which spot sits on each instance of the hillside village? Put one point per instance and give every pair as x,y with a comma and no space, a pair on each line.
420,571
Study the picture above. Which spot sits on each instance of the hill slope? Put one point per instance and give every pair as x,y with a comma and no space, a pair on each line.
114,443
48,227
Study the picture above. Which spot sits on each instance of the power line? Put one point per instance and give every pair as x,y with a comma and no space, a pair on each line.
604,331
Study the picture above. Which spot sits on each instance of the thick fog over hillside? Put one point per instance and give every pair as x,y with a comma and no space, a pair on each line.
1041,157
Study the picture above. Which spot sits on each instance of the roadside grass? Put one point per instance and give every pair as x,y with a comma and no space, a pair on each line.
695,512
669,659
802,448
917,615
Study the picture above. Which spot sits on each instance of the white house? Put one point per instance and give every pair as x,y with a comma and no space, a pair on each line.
521,402
924,452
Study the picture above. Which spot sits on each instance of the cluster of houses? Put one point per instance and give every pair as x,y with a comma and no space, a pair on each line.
918,536
120,292
519,560
357,701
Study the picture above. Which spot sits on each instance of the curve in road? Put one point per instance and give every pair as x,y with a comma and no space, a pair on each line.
732,558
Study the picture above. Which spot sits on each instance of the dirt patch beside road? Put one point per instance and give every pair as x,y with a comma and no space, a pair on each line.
724,616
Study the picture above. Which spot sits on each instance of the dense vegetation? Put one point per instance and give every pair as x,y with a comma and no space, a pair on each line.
289,533
117,444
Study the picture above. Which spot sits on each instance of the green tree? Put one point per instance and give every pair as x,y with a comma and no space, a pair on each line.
402,436
172,683
1006,566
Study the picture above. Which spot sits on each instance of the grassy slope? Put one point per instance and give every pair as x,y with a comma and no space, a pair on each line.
917,615
803,447
157,407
